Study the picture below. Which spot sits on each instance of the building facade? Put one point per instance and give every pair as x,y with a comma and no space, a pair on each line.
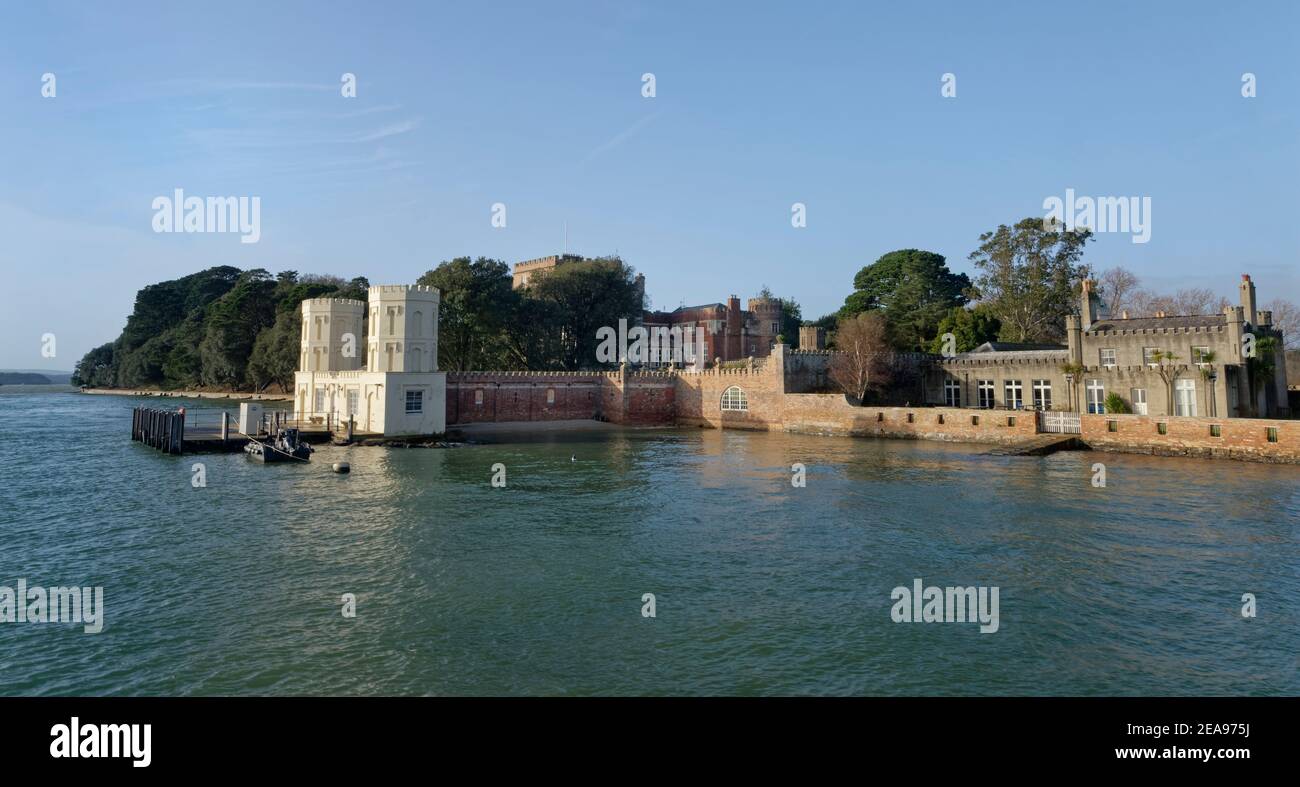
729,332
389,383
1188,365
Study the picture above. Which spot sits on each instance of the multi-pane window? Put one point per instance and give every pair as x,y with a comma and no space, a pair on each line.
1108,357
320,401
354,399
952,393
1096,396
1139,397
734,399
1042,394
1149,356
1185,397
415,401
1015,394
985,388
1199,353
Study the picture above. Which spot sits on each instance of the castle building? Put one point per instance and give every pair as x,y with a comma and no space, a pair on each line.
525,270
375,363
1193,365
729,333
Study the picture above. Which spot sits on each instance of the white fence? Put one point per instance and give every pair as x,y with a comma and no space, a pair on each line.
1059,423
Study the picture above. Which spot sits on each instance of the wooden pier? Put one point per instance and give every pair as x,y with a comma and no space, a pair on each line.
177,432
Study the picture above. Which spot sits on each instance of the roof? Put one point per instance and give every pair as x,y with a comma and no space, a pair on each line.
1149,323
1007,347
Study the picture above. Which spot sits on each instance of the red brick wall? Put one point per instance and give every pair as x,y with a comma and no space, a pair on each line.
1240,438
522,396
640,398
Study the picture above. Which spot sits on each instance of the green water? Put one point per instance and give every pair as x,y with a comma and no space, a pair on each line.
536,588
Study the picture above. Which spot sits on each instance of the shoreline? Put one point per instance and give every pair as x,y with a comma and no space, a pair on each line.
260,397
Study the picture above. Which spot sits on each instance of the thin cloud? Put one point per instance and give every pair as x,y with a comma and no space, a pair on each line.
620,138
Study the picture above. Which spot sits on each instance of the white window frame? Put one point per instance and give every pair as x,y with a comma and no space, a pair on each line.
1013,393
734,400
1185,397
1042,394
952,393
1096,396
987,394
418,400
1147,352
1107,357
1139,397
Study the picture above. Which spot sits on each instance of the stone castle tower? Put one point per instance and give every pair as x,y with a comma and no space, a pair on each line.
332,334
403,329
373,365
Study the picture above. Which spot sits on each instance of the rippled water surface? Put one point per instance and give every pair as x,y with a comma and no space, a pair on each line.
761,588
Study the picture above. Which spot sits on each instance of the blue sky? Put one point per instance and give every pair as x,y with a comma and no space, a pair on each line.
539,106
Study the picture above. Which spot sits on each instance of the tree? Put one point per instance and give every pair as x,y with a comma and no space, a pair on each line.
1167,367
864,359
477,308
913,289
95,369
1286,318
1261,367
969,327
1029,276
587,295
1117,288
231,328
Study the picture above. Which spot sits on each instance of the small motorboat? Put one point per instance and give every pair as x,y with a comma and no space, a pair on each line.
286,446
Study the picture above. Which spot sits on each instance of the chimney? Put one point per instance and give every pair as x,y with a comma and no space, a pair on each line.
1088,304
1124,314
1248,298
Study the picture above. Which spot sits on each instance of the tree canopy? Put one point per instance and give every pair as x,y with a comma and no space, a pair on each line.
1029,276
913,290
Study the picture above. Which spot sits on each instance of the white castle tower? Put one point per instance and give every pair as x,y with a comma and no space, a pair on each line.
392,385
332,334
403,329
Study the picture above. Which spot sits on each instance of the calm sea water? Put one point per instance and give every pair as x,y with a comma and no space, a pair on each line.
761,588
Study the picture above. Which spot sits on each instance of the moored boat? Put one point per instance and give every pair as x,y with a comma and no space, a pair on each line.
286,446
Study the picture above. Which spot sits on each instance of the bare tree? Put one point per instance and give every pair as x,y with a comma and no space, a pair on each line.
1117,286
1286,318
1191,301
864,358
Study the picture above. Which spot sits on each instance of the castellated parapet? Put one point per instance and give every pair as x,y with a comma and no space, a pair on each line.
403,328
332,332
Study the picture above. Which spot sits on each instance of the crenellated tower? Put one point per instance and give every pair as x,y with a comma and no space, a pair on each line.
332,337
403,329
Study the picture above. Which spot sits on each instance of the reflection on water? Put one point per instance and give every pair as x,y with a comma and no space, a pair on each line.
761,588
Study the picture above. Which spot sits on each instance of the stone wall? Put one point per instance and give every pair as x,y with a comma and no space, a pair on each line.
1238,438
832,414
699,397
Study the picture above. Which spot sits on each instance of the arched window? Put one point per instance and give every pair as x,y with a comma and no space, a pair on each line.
734,399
